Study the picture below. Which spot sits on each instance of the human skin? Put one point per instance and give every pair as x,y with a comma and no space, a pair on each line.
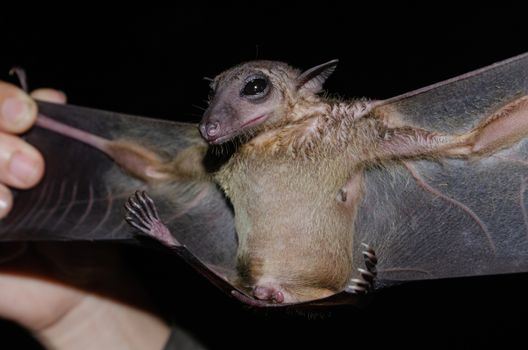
60,313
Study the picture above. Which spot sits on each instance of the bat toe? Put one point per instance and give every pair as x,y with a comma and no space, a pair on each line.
142,214
365,283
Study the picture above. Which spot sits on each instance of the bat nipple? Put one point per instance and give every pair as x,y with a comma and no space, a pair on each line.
342,195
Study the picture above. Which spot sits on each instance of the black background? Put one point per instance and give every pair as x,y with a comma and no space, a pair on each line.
151,61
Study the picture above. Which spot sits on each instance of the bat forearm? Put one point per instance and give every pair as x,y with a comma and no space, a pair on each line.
188,164
500,130
505,127
136,159
412,142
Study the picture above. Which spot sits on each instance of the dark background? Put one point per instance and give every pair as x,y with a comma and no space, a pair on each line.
151,62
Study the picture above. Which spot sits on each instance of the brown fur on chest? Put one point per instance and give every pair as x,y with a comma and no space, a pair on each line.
289,222
292,222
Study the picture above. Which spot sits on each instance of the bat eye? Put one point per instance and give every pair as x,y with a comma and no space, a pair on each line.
255,87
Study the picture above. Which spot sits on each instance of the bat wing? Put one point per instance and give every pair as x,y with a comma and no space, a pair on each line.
451,218
424,219
82,195
83,192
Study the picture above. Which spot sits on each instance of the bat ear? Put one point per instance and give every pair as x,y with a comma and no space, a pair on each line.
313,79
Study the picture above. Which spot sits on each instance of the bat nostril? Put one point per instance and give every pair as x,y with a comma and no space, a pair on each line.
212,128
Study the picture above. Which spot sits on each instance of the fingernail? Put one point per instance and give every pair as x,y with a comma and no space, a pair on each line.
23,168
5,201
49,95
16,110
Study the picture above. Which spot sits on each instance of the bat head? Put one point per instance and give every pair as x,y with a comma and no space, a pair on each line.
257,96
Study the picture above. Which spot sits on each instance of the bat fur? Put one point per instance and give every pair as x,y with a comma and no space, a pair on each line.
296,175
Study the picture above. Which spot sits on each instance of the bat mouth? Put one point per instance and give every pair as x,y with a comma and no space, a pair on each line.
238,130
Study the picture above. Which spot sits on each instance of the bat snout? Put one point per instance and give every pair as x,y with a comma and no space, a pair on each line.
210,130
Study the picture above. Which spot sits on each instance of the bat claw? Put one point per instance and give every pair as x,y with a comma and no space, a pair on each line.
142,214
21,75
365,282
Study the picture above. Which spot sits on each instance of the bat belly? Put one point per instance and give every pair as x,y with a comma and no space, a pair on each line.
294,242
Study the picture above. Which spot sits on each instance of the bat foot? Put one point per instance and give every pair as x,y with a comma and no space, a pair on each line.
142,214
365,282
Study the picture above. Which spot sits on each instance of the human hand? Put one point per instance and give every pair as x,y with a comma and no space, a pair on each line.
56,291
77,295
21,165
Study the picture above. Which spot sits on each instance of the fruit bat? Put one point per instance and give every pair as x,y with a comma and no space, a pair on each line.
284,197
